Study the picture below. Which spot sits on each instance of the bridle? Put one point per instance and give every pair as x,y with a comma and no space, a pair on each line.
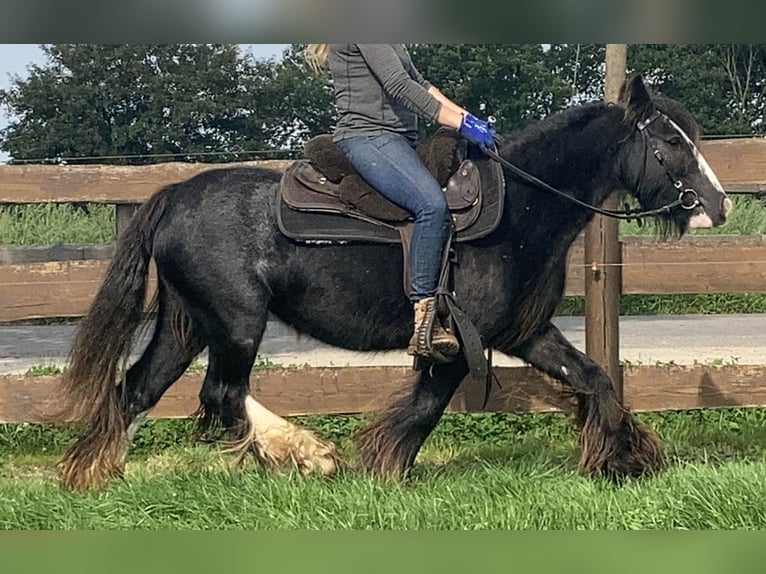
687,197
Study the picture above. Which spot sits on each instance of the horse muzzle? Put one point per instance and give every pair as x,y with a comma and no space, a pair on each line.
704,218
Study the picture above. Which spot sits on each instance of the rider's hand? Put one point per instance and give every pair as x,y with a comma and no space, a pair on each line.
478,131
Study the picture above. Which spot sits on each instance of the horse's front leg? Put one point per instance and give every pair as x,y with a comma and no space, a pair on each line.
613,443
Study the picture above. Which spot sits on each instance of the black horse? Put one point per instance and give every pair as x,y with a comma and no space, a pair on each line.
222,265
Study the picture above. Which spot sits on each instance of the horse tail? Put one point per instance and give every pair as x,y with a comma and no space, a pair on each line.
105,335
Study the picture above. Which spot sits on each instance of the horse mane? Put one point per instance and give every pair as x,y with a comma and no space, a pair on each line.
578,114
543,142
581,114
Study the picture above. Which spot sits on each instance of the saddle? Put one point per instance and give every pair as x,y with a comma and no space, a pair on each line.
323,199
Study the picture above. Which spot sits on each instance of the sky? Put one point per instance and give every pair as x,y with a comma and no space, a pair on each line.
15,60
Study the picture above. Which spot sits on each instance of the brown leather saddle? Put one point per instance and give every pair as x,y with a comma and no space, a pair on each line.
322,199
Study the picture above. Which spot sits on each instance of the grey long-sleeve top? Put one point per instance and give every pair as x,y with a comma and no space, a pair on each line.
378,90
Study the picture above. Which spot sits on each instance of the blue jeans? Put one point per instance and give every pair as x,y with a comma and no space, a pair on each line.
390,164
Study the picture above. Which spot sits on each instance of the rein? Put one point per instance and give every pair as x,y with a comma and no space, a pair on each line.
687,197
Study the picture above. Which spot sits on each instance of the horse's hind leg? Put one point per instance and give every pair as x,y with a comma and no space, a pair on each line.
100,453
225,402
613,442
390,444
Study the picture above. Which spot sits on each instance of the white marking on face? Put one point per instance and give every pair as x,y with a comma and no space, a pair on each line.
564,370
704,167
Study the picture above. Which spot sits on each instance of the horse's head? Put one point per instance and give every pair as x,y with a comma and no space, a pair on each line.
662,164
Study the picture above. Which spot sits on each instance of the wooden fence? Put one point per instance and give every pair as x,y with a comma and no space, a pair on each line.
61,281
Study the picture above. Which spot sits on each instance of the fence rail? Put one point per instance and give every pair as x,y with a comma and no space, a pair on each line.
351,390
60,281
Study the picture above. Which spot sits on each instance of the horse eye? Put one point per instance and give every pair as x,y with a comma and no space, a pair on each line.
674,141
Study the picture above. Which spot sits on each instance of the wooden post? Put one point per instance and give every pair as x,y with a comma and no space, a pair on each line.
603,275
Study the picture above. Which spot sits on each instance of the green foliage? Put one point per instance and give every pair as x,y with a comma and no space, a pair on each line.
263,362
676,304
136,104
141,103
747,218
721,84
513,82
40,370
196,367
295,101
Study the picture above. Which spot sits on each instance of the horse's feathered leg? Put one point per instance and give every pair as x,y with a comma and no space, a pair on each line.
100,453
613,442
391,442
225,400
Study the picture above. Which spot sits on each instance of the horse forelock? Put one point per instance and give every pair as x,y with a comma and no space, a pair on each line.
644,108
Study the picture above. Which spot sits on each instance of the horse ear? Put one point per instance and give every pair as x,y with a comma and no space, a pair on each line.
635,98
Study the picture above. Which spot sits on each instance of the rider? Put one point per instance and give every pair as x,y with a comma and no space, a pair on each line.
379,95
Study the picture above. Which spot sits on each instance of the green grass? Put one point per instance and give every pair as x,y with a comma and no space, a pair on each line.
505,471
676,304
747,218
51,224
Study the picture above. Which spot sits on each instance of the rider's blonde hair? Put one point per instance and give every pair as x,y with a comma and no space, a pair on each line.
316,55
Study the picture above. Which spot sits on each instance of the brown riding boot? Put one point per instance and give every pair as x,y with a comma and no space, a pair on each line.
443,342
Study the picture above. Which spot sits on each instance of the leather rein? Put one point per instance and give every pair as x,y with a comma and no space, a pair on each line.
687,196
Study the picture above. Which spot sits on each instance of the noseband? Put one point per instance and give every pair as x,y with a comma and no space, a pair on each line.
687,197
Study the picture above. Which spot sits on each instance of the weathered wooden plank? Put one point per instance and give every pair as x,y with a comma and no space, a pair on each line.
52,289
667,387
739,163
712,264
349,390
101,183
12,254
123,213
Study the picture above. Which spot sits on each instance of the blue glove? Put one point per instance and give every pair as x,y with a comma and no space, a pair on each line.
478,131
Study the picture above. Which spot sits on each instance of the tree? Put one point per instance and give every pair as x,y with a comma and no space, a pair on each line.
582,66
296,103
134,104
516,83
721,84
